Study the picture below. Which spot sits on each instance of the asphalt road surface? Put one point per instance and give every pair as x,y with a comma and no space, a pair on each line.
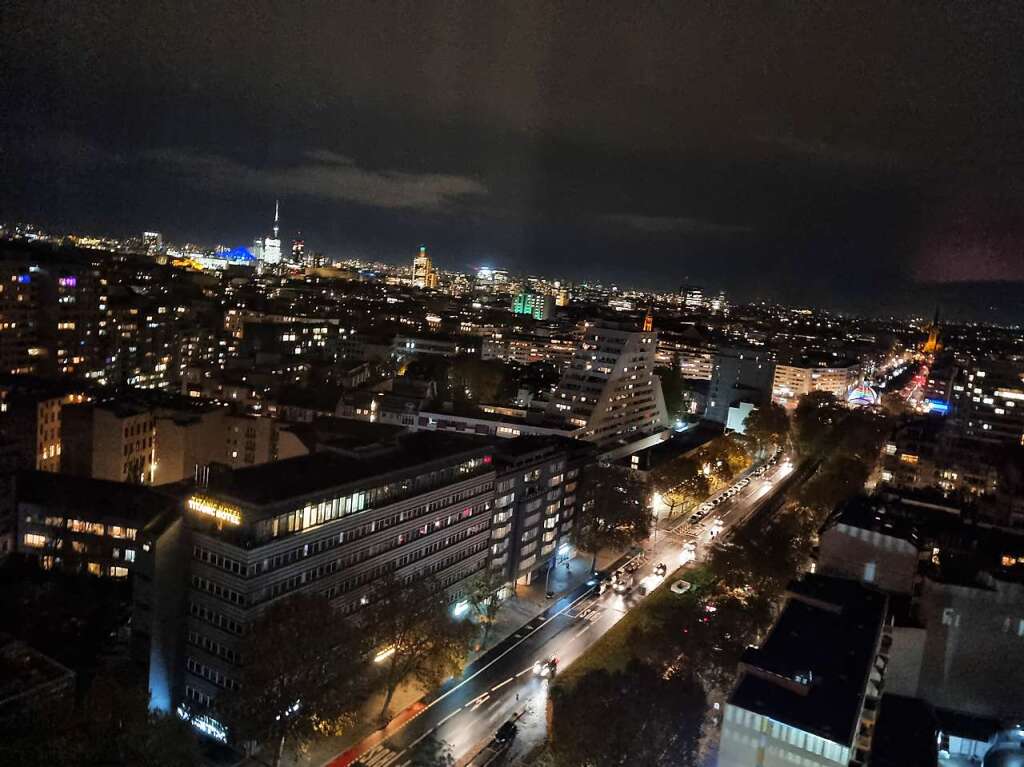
467,712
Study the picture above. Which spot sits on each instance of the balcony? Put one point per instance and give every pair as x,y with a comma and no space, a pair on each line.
497,533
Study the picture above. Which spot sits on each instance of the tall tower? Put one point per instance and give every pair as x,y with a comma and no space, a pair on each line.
423,274
933,344
272,245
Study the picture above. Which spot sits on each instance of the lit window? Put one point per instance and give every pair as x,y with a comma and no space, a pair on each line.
35,541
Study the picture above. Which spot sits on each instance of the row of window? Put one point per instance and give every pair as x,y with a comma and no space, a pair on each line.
334,508
213,647
218,590
214,618
210,674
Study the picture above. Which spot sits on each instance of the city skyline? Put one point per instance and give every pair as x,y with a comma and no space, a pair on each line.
871,190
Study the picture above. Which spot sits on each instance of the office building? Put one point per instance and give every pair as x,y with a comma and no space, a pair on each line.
329,523
299,253
609,389
535,504
30,421
739,375
423,273
809,694
796,378
540,307
992,407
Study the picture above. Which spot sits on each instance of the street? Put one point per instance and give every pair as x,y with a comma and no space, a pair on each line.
467,712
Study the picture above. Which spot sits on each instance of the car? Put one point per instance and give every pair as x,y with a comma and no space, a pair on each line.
660,569
716,501
680,587
745,481
695,519
507,732
705,507
546,668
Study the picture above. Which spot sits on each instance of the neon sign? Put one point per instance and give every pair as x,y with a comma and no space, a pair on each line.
219,511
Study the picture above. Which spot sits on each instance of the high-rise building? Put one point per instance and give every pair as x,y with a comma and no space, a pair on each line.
609,388
423,273
992,407
739,375
537,306
299,252
153,242
693,297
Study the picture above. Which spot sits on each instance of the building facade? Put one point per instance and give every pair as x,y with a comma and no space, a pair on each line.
792,381
739,375
327,523
610,390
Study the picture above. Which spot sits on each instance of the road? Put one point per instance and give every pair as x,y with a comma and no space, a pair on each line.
501,684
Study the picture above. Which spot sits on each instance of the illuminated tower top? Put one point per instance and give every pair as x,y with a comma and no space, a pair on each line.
277,216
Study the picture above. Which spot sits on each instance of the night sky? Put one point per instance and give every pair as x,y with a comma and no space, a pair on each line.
865,156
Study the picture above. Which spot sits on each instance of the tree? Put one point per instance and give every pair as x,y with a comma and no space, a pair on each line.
814,422
483,599
302,666
615,512
657,718
682,484
479,380
411,622
767,426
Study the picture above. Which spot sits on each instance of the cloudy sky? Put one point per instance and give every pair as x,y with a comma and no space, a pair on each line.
857,155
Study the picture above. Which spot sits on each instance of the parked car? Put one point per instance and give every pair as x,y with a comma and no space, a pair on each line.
660,569
546,668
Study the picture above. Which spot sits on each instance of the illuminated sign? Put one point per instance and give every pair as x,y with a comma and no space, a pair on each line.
219,511
937,406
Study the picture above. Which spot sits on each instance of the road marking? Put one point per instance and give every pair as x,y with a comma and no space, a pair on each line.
499,686
583,631
478,700
453,713
526,670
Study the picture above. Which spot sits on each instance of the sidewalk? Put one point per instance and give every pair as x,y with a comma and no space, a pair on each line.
516,611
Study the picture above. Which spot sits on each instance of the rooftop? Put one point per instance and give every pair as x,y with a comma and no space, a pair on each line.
92,498
812,669
25,671
280,481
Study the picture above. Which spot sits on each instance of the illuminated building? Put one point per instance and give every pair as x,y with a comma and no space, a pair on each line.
533,304
799,377
693,297
23,347
609,389
323,523
932,344
82,524
299,252
30,421
992,407
153,242
423,273
535,505
267,250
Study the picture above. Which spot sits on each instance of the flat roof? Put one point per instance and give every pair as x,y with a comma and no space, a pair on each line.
24,670
91,498
812,669
280,481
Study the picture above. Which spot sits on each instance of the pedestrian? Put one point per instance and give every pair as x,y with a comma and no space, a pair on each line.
567,567
517,697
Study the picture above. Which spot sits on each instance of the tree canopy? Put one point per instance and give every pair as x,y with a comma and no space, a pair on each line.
616,509
411,622
302,669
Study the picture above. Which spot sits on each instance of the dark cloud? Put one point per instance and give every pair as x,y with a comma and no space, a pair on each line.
804,150
322,175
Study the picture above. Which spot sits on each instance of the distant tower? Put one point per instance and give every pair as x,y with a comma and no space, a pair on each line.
299,250
272,245
423,273
933,345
